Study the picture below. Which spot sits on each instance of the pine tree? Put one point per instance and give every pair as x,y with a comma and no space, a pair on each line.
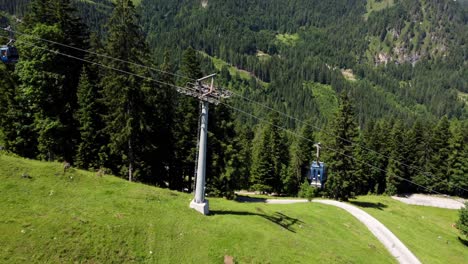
87,155
262,163
458,161
54,85
415,159
396,170
165,138
187,115
41,93
342,179
440,154
302,153
422,166
279,154
223,166
123,94
270,157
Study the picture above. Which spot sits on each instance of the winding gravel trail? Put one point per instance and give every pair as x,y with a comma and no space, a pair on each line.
383,234
388,239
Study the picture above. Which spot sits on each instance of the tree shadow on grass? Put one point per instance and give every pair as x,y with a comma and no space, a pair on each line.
463,241
248,199
379,205
278,218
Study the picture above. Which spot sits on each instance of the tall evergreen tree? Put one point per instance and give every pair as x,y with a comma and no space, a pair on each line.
302,153
54,85
123,94
458,161
187,115
416,145
87,155
396,171
342,178
270,157
223,166
440,155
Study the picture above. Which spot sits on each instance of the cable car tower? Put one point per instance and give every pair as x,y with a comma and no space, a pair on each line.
207,94
8,53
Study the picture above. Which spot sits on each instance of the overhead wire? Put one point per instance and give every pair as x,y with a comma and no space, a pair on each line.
426,174
99,64
329,148
99,55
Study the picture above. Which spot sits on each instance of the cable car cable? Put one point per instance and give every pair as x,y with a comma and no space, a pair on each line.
101,55
425,174
331,149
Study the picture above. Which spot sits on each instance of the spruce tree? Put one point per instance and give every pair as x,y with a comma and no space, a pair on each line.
396,170
416,144
458,161
87,155
270,157
440,154
422,166
187,115
165,138
342,178
41,93
53,89
223,163
124,94
302,154
262,163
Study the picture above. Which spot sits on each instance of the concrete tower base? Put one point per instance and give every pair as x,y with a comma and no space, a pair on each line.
203,208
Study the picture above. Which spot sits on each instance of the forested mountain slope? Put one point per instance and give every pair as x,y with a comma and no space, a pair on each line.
289,45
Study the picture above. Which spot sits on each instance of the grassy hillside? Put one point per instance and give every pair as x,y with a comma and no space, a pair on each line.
49,216
426,231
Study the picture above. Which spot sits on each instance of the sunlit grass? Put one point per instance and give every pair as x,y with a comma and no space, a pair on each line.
77,216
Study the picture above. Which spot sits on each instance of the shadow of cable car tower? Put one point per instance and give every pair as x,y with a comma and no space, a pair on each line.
317,173
207,94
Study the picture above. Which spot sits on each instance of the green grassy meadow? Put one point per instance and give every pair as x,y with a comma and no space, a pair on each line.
49,216
426,231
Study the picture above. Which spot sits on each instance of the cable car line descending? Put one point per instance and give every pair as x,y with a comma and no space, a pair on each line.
191,91
101,55
329,148
194,93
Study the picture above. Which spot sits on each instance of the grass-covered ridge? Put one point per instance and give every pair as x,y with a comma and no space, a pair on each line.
49,216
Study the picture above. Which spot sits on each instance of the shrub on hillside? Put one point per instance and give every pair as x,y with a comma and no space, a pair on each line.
307,191
462,224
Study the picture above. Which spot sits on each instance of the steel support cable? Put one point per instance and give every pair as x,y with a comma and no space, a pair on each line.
100,55
331,149
425,174
101,65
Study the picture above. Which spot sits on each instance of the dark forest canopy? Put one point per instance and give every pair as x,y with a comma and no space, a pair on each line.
391,78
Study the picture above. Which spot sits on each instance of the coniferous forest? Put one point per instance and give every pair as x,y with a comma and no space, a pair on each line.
383,85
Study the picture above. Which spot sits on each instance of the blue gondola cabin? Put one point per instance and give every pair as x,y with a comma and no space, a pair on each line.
317,174
9,54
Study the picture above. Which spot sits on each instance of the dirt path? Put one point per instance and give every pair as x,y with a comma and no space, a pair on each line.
429,200
383,234
388,239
